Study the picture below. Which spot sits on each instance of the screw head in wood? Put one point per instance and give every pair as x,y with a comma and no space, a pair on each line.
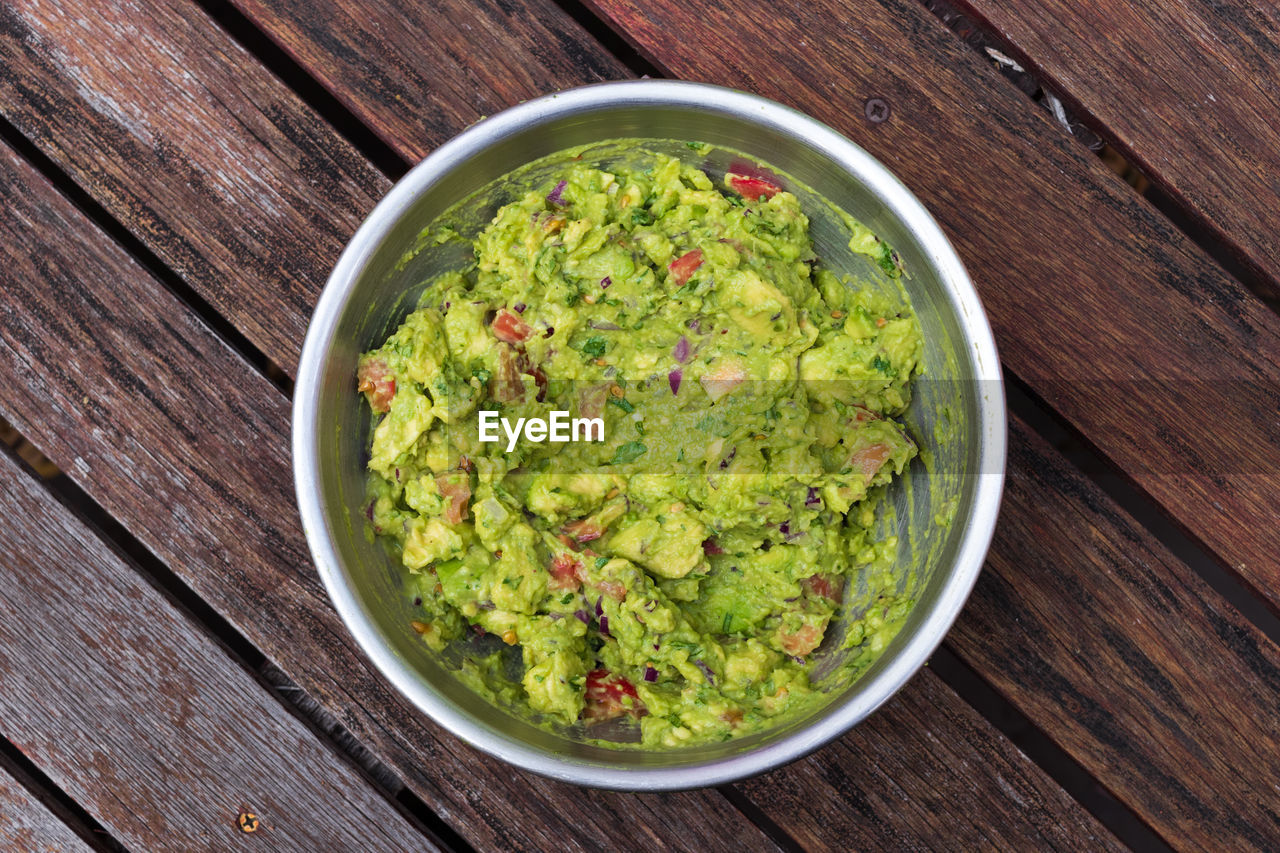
247,821
876,110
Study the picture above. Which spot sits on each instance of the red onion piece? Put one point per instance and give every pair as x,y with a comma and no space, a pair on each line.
681,352
553,197
605,282
706,670
673,379
650,674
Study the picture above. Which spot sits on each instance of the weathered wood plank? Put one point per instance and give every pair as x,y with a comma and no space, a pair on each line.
1132,663
1114,317
26,824
837,799
1187,89
440,65
187,446
140,717
989,299
155,109
1126,658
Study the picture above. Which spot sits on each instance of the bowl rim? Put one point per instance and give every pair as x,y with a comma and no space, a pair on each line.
877,688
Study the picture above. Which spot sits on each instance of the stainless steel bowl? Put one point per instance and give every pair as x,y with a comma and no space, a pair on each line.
958,412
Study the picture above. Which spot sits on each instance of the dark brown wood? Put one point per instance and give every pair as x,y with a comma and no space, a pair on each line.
439,65
1187,89
1114,317
141,718
268,191
157,110
1132,663
186,445
837,798
26,824
1025,138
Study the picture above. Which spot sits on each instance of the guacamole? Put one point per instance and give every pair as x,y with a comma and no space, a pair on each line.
681,569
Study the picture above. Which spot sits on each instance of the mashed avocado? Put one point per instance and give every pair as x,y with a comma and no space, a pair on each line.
683,570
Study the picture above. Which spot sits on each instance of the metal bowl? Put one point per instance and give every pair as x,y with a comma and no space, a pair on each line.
958,412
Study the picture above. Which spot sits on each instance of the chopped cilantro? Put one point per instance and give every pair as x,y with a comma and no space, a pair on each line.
629,452
883,365
887,260
621,403
594,346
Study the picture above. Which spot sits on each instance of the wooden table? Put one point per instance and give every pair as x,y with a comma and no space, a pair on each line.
178,178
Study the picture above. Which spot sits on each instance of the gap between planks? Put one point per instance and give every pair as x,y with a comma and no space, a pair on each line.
343,117
44,808
101,217
391,164
322,724
1162,192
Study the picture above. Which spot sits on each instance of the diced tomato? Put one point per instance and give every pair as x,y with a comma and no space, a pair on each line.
683,267
508,327
609,695
824,587
613,589
457,492
751,187
868,460
805,639
584,529
377,382
566,572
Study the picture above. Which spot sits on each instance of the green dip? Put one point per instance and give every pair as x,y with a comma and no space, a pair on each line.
682,571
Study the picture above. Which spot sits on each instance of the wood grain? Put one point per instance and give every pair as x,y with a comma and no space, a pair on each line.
1161,272
141,718
1142,672
440,65
186,445
1169,367
1187,89
155,110
837,799
27,825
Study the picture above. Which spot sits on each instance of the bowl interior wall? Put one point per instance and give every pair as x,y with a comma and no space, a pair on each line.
389,287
